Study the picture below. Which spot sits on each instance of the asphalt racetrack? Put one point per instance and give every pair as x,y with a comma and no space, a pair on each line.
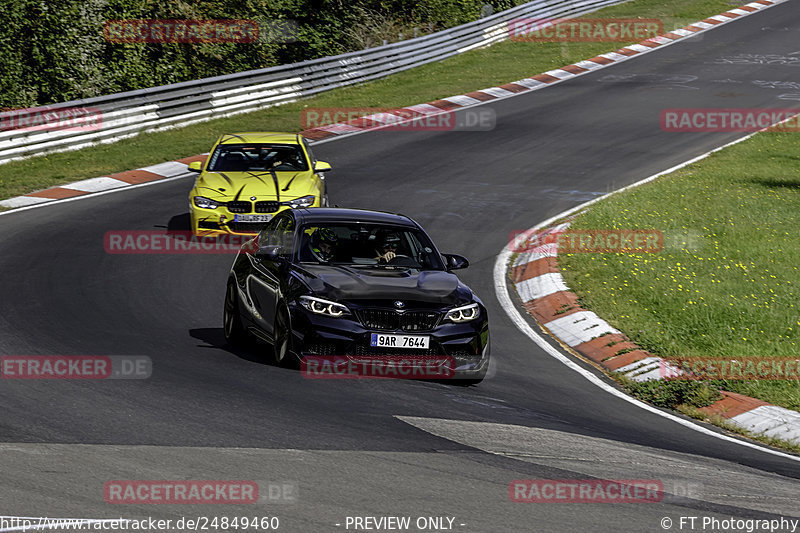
381,447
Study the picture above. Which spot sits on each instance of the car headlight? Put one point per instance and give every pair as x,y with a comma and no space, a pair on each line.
324,307
463,314
305,201
205,203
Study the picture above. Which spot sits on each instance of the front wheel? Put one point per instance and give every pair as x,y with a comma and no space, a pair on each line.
235,333
282,345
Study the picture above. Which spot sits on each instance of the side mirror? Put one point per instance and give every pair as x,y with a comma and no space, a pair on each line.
195,166
270,252
455,262
321,166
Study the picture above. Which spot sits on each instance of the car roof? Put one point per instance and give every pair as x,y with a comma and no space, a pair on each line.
260,137
340,214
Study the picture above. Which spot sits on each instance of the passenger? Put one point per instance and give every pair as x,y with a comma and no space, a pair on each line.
323,244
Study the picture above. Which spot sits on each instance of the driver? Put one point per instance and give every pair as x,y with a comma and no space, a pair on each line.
387,249
323,244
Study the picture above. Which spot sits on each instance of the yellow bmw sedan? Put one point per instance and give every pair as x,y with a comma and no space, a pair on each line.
248,178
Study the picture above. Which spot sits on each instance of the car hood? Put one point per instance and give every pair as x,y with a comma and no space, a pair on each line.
226,186
342,283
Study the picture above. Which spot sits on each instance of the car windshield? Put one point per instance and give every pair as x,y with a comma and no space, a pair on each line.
368,245
258,157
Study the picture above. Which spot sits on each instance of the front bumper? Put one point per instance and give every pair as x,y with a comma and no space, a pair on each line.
222,221
466,344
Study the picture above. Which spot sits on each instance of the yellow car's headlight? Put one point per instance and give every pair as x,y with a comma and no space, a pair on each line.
305,201
205,203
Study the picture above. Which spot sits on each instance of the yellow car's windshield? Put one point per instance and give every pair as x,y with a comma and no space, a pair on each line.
258,157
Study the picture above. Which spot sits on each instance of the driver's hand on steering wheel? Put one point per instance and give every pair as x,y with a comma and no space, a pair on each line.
388,256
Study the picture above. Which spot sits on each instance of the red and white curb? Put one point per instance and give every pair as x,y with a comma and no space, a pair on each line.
545,295
172,169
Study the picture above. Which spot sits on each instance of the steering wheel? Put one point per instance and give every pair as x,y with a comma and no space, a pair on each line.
403,260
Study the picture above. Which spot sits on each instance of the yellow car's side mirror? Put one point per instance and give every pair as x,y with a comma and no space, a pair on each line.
195,166
321,166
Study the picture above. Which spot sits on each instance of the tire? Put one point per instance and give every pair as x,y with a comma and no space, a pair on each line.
468,382
282,345
235,333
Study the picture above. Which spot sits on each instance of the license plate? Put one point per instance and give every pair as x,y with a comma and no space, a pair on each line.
252,218
419,342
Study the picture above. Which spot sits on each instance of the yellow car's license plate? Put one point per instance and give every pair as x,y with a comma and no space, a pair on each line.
252,218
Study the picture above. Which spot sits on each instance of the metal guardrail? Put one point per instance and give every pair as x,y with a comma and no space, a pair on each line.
129,113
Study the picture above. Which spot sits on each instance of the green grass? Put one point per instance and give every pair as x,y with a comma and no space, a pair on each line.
725,284
501,63
671,394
